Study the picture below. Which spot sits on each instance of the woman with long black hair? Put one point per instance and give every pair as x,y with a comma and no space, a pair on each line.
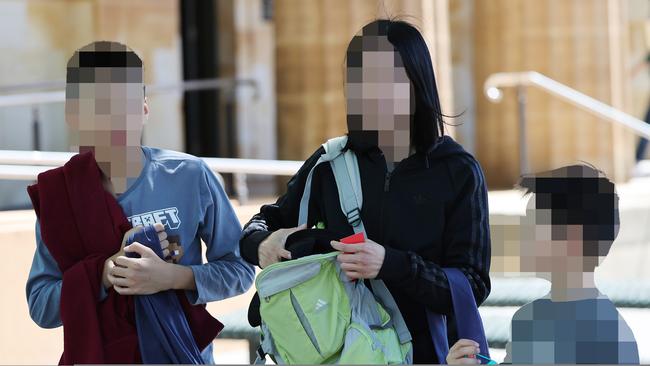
424,197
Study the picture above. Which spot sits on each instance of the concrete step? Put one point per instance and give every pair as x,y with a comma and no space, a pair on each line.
642,169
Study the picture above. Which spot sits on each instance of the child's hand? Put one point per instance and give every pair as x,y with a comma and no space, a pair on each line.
109,264
146,275
463,352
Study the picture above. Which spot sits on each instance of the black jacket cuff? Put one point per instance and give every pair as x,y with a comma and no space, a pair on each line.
248,246
397,265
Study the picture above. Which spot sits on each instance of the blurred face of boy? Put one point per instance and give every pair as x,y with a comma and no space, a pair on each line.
551,249
107,108
107,114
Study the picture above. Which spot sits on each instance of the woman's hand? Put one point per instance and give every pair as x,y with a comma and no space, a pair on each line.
271,250
363,260
463,352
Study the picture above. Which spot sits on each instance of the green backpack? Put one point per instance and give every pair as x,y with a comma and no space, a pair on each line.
312,314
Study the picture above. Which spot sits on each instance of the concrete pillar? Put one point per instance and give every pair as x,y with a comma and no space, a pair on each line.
247,52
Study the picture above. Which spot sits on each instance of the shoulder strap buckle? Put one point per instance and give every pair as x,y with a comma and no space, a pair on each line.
354,217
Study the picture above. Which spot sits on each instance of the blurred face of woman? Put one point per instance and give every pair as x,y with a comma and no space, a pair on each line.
378,93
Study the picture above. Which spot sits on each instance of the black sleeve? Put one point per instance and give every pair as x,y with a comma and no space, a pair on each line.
466,240
282,214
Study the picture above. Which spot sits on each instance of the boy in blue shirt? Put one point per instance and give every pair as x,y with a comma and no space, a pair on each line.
175,192
570,225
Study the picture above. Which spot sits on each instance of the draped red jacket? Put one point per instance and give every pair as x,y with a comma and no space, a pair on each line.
83,225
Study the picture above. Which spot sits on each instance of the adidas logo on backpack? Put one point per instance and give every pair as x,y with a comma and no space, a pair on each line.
320,304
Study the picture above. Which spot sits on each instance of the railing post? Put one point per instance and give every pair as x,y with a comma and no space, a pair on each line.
36,134
241,187
523,148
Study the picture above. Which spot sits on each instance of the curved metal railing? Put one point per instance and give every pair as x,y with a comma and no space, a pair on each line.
520,80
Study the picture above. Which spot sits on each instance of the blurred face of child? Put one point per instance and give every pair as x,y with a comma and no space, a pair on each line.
108,112
547,248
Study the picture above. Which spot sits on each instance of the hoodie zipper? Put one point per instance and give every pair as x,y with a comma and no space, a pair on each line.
387,181
384,198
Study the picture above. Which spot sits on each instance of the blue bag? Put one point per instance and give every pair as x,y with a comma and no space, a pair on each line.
164,335
468,320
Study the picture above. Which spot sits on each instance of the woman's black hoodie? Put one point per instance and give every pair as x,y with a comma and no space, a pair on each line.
430,212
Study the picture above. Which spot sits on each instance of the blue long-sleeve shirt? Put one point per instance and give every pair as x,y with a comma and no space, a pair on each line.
179,191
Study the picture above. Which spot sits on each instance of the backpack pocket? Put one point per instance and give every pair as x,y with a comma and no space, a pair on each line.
324,309
286,329
391,348
308,321
361,347
372,346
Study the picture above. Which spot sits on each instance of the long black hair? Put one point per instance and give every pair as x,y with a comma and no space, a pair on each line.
427,124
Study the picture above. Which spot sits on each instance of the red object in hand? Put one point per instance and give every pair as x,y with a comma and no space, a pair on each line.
353,239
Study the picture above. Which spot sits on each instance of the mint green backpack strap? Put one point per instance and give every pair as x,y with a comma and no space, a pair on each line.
380,290
348,182
267,347
327,156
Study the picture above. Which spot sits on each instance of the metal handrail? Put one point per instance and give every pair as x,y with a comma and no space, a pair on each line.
22,172
35,94
531,78
520,80
58,95
26,165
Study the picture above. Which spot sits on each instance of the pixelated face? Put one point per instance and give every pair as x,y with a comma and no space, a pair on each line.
548,248
105,96
570,223
378,90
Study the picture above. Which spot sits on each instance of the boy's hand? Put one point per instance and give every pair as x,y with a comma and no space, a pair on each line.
140,276
363,260
463,352
271,250
110,263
